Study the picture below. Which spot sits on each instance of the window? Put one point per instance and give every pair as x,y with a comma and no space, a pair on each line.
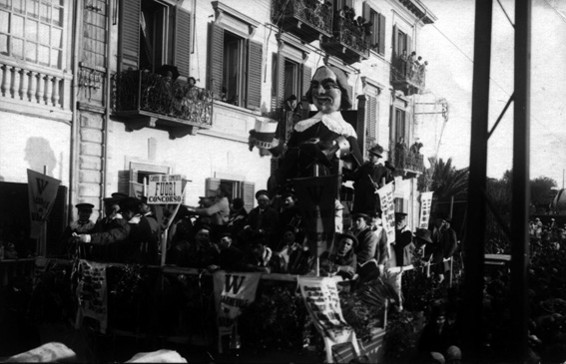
234,68
33,31
238,189
401,131
376,41
401,42
152,34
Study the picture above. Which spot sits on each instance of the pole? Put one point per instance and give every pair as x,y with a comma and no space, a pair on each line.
520,185
475,231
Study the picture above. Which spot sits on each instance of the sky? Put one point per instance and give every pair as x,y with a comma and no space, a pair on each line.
448,45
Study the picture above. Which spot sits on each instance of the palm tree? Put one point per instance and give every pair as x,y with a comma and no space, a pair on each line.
447,181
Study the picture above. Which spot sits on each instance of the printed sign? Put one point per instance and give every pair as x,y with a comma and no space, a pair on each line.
232,291
320,295
388,210
92,294
426,202
42,191
164,189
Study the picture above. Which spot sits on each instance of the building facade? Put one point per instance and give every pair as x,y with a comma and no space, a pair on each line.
95,92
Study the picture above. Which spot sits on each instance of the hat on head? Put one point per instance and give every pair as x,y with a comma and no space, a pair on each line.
376,150
400,215
424,235
129,204
84,206
119,196
365,215
260,193
347,235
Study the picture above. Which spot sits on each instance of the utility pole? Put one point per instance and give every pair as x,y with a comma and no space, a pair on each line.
475,225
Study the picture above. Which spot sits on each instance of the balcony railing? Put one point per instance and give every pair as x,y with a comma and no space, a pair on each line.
349,42
166,102
28,84
307,19
408,76
407,159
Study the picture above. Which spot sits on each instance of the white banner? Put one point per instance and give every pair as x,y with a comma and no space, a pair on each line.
388,210
323,304
426,202
92,294
165,189
42,191
232,291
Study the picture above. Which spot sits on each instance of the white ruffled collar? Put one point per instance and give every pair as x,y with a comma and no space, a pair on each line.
333,121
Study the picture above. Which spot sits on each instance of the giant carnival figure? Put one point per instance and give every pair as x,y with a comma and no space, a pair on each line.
317,143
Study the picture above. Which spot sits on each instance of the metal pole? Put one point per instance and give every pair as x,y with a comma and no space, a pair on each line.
475,226
521,193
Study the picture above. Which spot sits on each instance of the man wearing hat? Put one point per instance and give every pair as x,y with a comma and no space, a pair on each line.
447,244
263,219
367,239
81,226
370,177
403,245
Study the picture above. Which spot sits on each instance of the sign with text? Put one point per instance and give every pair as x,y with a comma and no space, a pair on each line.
232,291
320,295
42,191
92,294
164,189
388,210
426,202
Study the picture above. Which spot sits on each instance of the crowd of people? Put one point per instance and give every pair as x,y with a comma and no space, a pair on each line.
412,67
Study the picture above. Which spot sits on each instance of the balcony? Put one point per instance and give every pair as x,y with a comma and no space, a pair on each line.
407,76
407,161
307,19
347,43
147,99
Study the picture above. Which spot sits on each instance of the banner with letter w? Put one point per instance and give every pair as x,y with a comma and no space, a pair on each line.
232,291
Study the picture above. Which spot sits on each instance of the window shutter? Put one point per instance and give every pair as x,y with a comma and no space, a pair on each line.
409,45
307,75
215,69
129,34
280,81
394,44
182,40
366,11
248,191
255,57
274,83
381,40
210,186
371,112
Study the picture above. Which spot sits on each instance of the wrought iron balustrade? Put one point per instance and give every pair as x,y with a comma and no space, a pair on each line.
316,14
143,91
407,160
352,35
408,74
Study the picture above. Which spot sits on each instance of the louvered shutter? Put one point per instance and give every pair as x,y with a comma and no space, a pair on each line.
129,34
366,11
274,83
182,47
280,81
394,44
371,112
381,40
255,57
307,75
215,66
248,191
211,186
409,45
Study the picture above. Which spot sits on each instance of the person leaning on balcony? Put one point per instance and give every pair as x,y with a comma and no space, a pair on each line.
410,63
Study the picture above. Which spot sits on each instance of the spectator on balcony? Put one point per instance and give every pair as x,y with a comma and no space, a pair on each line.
402,66
422,73
416,147
400,152
370,177
410,65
